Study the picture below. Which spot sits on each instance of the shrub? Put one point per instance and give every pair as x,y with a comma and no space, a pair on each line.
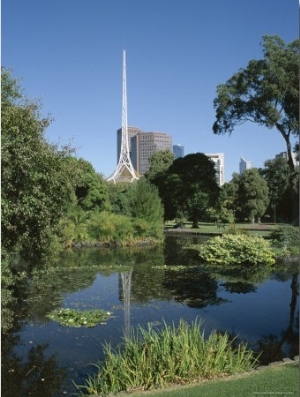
286,238
236,249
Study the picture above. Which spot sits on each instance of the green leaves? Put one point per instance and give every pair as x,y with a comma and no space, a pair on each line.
79,318
175,355
231,249
36,177
265,92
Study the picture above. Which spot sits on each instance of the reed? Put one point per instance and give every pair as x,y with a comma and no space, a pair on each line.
175,355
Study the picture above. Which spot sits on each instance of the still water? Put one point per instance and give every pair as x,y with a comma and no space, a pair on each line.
40,358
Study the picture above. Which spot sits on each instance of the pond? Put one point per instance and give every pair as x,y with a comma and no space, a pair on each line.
41,358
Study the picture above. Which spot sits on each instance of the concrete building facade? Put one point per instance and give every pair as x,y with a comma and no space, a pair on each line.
142,145
245,165
218,159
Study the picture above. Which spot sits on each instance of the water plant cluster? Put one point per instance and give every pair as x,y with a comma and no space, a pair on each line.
174,355
79,318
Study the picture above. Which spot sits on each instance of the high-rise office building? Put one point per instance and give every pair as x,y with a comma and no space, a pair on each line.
218,159
244,165
178,151
142,145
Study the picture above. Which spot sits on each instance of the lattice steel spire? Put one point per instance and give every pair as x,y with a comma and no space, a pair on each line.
124,171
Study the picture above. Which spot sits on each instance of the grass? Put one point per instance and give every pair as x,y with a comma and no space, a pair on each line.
263,230
175,355
281,380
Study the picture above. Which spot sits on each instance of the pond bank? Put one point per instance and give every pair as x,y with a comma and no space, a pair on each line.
276,378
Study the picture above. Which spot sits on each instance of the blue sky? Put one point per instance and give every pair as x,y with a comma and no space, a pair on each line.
68,53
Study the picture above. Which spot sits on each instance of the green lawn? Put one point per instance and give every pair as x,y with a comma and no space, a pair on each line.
211,228
281,380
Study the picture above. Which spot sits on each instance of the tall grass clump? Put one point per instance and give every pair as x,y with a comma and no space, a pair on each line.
175,355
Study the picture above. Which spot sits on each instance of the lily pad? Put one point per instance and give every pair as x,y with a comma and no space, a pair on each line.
79,318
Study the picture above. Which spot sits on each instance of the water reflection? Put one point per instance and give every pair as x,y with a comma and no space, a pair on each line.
257,304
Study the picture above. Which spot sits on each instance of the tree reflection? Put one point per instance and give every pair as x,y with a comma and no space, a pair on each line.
193,287
275,348
240,278
36,375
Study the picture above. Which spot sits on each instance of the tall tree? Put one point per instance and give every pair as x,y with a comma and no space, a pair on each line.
266,92
145,202
252,195
277,174
188,187
36,177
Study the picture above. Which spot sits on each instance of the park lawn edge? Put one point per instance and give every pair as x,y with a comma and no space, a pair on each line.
195,388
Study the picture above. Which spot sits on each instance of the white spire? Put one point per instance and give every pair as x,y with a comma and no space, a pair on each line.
124,171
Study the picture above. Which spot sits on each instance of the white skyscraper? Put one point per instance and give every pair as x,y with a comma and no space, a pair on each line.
218,159
245,165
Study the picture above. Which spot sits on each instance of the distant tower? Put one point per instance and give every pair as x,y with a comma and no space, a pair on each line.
244,165
178,151
124,171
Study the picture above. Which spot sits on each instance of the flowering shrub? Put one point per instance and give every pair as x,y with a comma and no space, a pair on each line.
236,249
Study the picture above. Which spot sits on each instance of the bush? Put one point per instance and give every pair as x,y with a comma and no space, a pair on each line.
236,249
286,236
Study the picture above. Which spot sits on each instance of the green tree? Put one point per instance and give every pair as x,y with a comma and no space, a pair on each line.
188,187
277,175
252,195
159,162
145,202
36,177
266,92
91,189
118,197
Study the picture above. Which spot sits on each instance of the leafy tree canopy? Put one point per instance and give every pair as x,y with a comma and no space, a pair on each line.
159,162
36,177
91,189
252,199
266,92
145,202
277,175
188,187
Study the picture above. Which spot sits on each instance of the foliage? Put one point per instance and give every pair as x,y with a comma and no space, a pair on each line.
79,318
286,238
36,177
236,248
249,195
277,174
104,226
91,190
145,202
118,197
159,162
174,355
188,187
221,215
266,92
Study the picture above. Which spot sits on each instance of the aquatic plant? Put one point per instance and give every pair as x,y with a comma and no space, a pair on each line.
79,318
175,355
